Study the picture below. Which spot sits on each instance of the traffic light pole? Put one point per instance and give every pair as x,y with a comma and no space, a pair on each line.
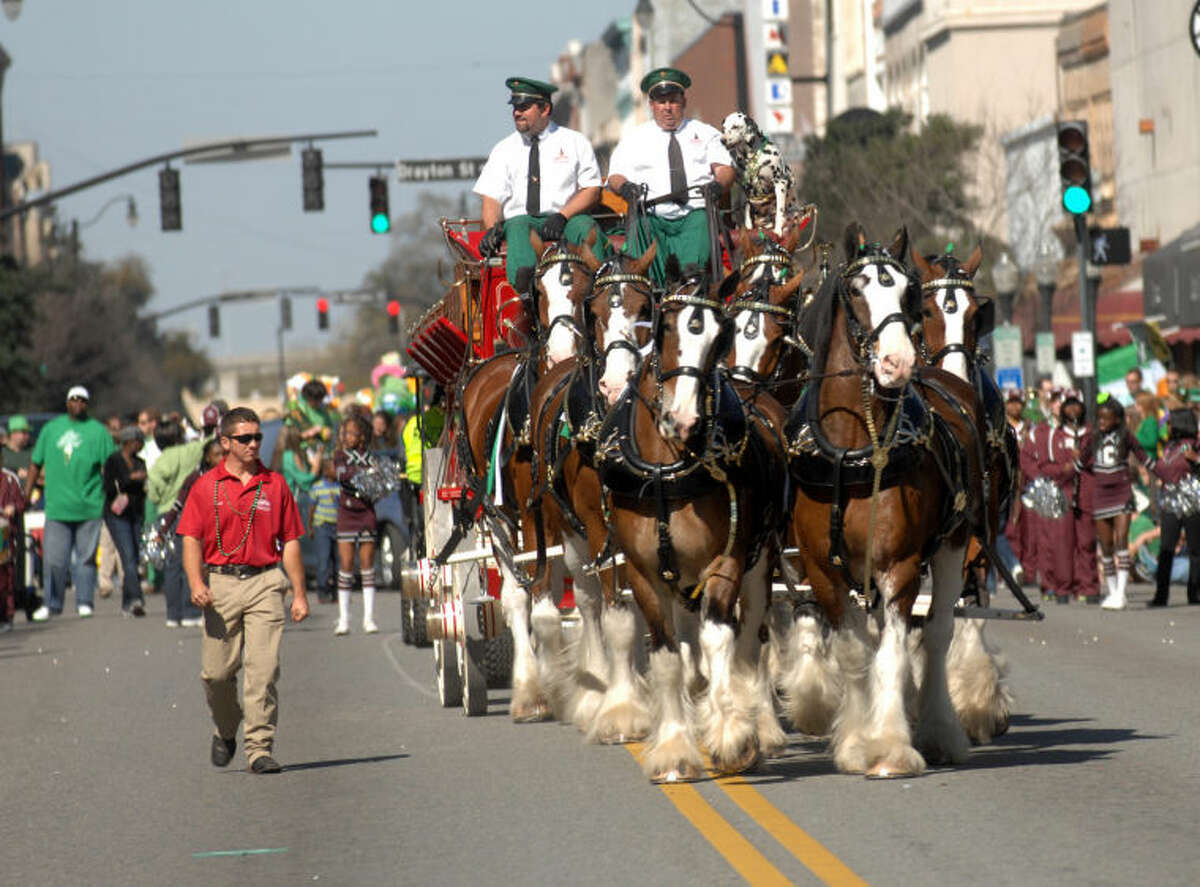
1087,317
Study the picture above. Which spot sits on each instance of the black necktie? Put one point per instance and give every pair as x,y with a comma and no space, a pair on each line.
678,176
533,192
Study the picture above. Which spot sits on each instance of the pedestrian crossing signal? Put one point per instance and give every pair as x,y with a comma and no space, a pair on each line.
381,220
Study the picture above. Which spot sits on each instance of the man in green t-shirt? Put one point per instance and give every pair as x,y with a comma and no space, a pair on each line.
69,455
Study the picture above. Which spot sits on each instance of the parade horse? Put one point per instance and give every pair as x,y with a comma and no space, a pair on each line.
886,472
954,319
694,500
494,452
604,696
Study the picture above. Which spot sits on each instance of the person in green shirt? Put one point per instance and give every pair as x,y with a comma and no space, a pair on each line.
69,455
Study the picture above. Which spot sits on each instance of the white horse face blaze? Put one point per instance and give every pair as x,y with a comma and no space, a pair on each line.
619,364
955,323
750,343
683,410
894,349
561,344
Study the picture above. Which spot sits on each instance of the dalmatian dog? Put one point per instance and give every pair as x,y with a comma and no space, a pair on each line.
762,172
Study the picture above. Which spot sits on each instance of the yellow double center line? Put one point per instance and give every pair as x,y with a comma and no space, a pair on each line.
746,860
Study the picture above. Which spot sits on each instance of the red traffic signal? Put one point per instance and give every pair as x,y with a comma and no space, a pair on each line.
393,311
322,314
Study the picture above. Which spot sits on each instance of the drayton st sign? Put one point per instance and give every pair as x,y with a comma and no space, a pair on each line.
444,170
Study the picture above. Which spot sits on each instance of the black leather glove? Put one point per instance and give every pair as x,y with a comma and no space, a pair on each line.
552,227
631,191
490,244
713,191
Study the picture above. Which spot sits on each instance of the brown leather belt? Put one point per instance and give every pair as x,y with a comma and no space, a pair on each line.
239,571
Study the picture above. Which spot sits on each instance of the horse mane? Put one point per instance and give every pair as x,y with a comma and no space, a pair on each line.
816,321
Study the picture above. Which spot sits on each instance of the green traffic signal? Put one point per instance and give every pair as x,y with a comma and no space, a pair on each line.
381,219
1077,200
380,223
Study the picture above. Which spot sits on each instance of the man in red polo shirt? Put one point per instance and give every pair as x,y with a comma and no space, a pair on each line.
240,523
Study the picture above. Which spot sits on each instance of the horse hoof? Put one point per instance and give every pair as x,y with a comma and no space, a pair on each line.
681,773
750,758
1001,727
532,713
897,767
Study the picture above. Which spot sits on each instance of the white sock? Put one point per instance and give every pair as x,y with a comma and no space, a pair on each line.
368,588
345,583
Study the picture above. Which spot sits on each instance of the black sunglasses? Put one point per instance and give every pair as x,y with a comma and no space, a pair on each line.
256,437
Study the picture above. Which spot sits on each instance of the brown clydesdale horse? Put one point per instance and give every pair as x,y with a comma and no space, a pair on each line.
887,477
695,501
492,416
954,319
604,698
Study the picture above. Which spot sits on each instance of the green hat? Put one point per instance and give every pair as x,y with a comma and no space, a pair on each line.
525,89
18,423
666,78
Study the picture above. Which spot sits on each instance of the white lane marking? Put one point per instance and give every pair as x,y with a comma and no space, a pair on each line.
409,679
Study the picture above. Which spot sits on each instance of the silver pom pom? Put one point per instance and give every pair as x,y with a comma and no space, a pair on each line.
381,477
1045,497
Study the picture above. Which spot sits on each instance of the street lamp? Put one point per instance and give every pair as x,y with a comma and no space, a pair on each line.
1045,271
643,14
1004,277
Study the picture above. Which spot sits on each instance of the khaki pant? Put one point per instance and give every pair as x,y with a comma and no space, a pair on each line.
243,627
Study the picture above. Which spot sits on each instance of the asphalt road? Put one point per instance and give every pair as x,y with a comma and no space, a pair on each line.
105,778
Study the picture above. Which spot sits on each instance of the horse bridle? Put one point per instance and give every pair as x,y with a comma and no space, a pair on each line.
695,322
864,342
760,304
566,259
950,307
617,279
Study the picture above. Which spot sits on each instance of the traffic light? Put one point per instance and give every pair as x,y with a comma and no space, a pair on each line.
381,220
1074,166
214,322
393,311
170,207
322,313
314,180
285,313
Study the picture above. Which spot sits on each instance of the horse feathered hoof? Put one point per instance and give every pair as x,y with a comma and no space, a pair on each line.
533,712
682,773
750,757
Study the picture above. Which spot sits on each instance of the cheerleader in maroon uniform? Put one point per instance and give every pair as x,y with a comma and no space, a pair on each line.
1104,457
355,523
1178,506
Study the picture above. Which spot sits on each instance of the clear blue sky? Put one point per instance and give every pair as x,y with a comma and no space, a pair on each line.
99,85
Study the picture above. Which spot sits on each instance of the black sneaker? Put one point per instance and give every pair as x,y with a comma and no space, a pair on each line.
138,609
265,764
222,751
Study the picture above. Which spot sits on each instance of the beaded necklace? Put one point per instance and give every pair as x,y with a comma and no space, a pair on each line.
217,516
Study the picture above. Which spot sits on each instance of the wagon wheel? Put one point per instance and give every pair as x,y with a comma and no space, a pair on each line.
406,621
474,678
418,608
498,660
445,663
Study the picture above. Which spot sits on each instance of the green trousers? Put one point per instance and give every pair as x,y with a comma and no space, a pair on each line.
685,238
520,253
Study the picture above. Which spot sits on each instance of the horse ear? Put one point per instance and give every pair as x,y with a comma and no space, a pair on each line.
644,260
974,262
928,272
781,294
536,242
589,257
728,286
854,238
985,318
792,240
738,235
899,244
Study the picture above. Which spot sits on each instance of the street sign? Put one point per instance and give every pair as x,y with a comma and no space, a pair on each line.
450,169
1006,347
1044,350
779,91
774,10
773,36
1010,377
777,63
778,120
1110,246
1083,354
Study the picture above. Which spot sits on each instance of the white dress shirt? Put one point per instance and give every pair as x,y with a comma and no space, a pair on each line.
565,158
641,157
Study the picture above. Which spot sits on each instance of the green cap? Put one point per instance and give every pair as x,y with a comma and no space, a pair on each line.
665,79
525,89
18,423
